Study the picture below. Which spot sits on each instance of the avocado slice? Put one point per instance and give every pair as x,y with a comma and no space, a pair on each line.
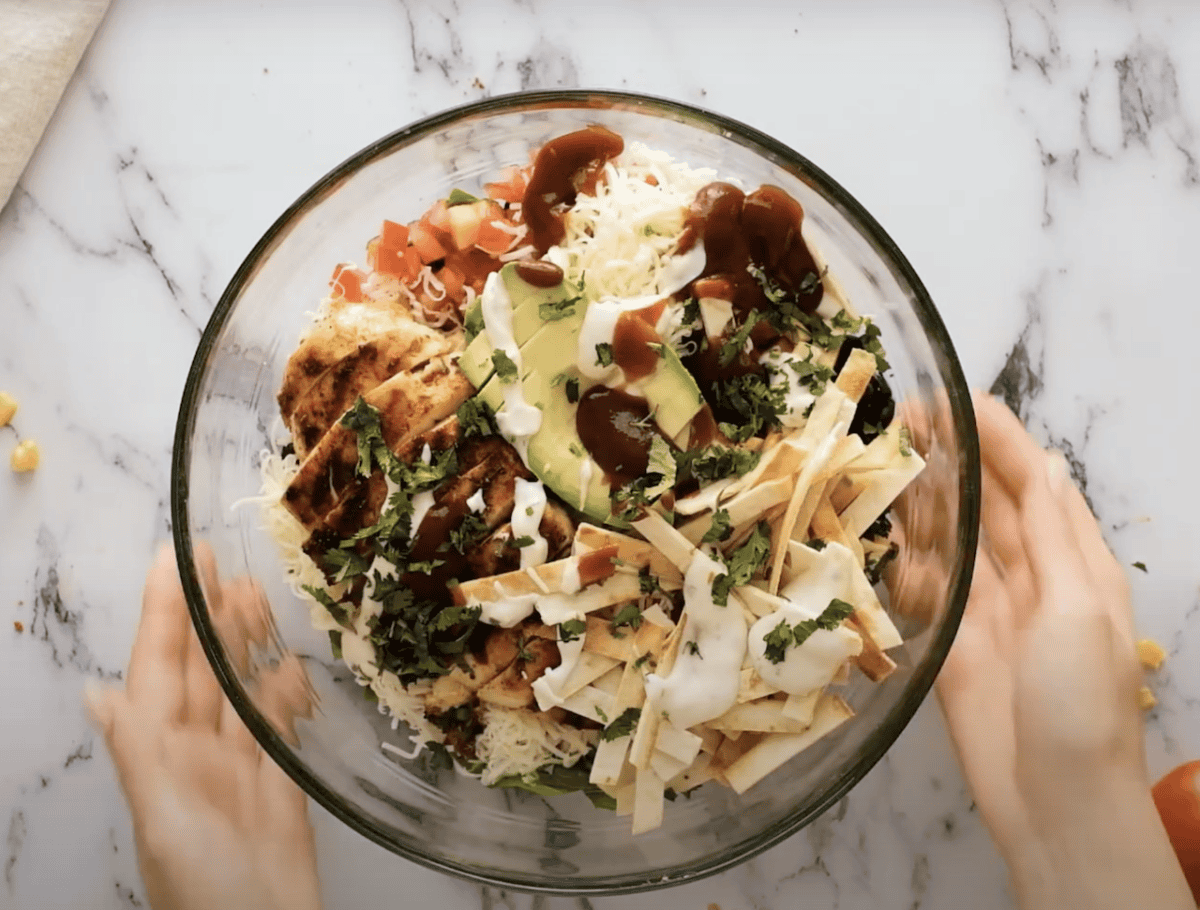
556,453
476,360
672,393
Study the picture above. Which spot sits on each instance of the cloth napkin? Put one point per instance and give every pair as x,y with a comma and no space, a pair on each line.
41,42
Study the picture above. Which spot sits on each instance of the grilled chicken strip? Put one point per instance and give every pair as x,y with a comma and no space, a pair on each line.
497,555
409,404
342,328
407,347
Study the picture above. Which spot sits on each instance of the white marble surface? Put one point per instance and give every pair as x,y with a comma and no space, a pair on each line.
1036,160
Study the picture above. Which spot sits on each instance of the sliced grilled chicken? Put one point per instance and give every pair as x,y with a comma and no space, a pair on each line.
407,346
337,334
513,688
410,403
497,555
459,685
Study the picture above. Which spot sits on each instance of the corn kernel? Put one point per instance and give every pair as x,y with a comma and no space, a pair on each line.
8,407
1151,654
1146,699
25,456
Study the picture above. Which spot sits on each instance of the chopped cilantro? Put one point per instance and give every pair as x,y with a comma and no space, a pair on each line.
337,610
809,284
523,541
604,354
641,661
529,510
1141,565
719,529
600,712
345,563
335,643
572,390
904,443
694,649
364,420
874,568
743,563
466,535
660,465
647,582
629,615
737,341
475,418
714,463
815,543
736,432
622,726
880,528
691,311
558,309
425,567
505,368
460,197
779,639
571,629
750,395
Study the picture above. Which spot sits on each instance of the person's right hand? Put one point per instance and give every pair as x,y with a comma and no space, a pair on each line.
1040,691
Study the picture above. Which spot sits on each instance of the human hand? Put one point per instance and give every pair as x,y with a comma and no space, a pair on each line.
216,821
1040,691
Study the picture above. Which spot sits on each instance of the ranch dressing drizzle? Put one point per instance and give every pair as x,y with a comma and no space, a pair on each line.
529,503
703,684
814,663
518,419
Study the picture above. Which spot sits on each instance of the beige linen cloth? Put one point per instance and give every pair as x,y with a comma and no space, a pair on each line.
41,42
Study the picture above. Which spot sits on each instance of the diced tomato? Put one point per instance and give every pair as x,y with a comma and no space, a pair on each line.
511,188
493,239
393,262
474,265
394,235
426,242
438,216
652,180
452,281
412,262
347,283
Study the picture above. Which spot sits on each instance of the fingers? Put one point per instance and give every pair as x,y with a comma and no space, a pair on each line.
203,692
156,664
1005,446
234,732
283,803
977,630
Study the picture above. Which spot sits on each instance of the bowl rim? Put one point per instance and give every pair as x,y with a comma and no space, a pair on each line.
958,399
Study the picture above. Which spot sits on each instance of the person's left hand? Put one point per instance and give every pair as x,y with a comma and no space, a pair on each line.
217,822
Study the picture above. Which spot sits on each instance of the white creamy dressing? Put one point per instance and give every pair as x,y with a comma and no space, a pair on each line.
548,687
571,582
702,685
812,665
518,419
600,318
529,504
508,610
422,503
797,396
586,468
475,502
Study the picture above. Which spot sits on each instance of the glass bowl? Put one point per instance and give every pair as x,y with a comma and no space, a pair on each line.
322,731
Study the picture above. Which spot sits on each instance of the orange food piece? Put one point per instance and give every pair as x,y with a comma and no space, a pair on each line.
394,236
1177,797
597,565
347,282
427,243
509,189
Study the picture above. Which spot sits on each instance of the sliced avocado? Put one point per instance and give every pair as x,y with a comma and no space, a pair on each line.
556,453
672,394
476,360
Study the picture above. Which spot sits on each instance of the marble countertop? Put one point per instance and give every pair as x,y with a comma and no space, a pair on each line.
1036,160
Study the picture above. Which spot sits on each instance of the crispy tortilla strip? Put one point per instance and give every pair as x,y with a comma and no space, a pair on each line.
760,602
666,539
802,708
731,749
830,418
881,453
880,490
409,404
609,761
867,608
591,702
826,526
633,552
626,796
647,728
873,662
681,745
746,508
666,767
617,588
699,772
857,372
588,668
780,456
647,801
622,644
753,687
705,499
762,716
776,748
844,490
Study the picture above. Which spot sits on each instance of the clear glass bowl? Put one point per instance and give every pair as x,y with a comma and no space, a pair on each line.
433,815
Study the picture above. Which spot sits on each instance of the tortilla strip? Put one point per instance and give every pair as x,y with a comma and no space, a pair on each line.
647,728
745,508
622,644
856,374
588,668
633,552
763,716
753,687
647,801
873,662
882,488
802,708
666,539
875,620
776,748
